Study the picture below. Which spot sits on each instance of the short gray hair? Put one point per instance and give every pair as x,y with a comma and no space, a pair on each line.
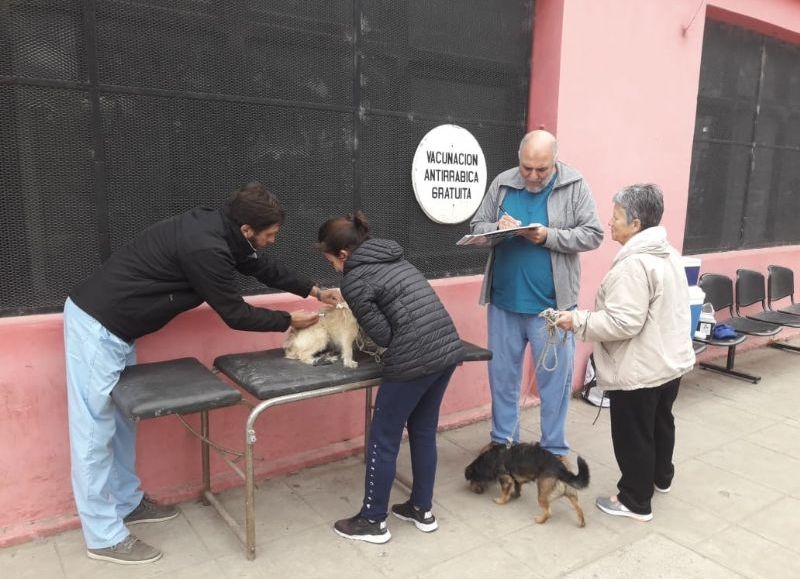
643,201
528,136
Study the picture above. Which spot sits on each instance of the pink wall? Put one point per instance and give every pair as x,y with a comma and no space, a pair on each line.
628,75
548,23
35,491
618,82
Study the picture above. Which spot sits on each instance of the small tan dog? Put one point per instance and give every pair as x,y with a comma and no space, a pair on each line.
336,328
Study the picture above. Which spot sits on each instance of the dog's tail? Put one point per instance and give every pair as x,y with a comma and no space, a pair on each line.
578,481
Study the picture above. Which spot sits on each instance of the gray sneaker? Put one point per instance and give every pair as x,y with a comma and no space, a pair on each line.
612,506
149,512
130,551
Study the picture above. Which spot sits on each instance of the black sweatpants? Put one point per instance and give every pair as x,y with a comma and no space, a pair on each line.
643,433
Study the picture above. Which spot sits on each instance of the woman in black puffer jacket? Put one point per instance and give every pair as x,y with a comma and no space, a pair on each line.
398,309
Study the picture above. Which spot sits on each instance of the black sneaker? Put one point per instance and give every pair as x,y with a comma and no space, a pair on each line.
361,529
130,551
149,512
424,521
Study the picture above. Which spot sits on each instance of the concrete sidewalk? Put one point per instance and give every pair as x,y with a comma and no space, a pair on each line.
734,509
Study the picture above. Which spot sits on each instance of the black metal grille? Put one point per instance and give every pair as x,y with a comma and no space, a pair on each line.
745,177
115,114
48,236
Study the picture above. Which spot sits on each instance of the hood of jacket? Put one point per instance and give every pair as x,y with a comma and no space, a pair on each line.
374,251
652,240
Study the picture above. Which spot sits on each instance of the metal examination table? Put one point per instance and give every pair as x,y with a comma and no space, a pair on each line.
184,386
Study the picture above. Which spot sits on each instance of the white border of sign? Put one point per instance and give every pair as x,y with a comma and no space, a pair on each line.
449,174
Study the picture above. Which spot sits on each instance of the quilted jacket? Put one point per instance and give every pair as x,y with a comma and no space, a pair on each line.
398,309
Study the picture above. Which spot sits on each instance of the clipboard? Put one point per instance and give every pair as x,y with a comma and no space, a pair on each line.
486,239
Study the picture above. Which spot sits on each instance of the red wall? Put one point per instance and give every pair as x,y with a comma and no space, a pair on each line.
616,80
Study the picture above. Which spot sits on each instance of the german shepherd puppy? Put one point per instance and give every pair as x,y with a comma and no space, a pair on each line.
521,463
337,329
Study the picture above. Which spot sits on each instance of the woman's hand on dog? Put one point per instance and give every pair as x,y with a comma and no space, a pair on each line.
303,319
330,296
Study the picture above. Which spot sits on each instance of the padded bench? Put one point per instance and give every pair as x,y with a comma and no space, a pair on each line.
275,380
181,386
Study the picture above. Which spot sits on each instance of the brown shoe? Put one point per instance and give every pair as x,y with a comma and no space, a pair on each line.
130,551
149,512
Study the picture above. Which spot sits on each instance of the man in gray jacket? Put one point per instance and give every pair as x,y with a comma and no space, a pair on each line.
530,272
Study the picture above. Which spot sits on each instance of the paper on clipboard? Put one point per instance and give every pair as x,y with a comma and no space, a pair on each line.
484,239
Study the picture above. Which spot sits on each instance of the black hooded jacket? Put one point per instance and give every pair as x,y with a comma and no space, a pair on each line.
398,309
176,265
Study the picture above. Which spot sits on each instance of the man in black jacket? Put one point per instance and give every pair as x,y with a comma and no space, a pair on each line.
169,268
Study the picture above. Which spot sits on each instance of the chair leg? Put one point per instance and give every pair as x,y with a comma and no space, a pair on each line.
728,369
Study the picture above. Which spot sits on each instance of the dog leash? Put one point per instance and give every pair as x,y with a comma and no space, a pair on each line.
596,416
550,316
365,344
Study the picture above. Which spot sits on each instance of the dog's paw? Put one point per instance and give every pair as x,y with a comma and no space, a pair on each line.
350,364
500,500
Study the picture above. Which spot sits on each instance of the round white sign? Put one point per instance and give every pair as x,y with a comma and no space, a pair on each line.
449,174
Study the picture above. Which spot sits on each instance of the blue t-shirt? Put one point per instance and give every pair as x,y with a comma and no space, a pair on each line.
522,275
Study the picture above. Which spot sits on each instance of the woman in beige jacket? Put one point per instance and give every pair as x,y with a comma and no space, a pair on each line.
643,346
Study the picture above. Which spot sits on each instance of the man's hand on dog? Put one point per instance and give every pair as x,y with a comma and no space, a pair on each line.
303,319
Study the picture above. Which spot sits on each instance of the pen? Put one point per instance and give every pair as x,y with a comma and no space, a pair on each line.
504,212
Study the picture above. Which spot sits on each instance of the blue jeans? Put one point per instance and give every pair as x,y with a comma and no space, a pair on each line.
509,334
102,439
414,405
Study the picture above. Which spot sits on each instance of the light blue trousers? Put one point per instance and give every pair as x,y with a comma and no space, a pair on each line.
102,439
509,334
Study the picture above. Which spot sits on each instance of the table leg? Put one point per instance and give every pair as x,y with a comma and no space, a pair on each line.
250,495
204,449
249,449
